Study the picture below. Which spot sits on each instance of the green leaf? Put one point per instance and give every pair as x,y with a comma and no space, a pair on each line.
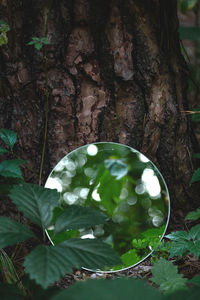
115,289
193,215
116,168
3,150
12,232
46,264
194,248
196,176
178,248
45,41
37,203
165,274
130,258
76,217
10,292
178,235
38,46
196,155
10,168
195,280
195,232
189,33
186,5
8,136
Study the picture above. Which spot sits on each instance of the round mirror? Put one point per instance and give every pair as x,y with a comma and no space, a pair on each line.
123,184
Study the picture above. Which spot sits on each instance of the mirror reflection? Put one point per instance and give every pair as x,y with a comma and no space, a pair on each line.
124,185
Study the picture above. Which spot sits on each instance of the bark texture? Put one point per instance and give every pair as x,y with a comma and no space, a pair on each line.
114,72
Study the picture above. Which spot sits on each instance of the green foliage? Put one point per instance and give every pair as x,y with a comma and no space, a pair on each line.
38,43
9,137
10,168
3,150
46,264
12,232
165,274
75,217
193,215
4,27
196,176
184,242
195,280
117,289
189,33
116,167
36,202
186,5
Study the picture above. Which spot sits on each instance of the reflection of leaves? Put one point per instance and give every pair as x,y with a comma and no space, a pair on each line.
109,191
76,217
116,167
130,258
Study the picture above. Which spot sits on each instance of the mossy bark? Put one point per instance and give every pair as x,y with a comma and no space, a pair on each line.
115,72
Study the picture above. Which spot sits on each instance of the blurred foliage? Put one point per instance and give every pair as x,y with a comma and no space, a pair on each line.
112,180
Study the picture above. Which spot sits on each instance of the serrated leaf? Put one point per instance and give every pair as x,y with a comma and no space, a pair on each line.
116,168
195,232
115,289
46,264
193,215
178,235
196,176
3,150
8,136
178,248
76,217
165,274
10,168
37,203
12,232
194,248
195,280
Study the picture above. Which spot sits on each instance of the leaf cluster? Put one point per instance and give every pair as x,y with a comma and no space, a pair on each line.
38,43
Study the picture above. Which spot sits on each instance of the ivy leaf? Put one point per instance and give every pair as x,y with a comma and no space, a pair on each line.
3,150
178,248
117,289
8,136
46,264
178,235
196,176
10,168
37,203
12,232
76,217
193,215
165,274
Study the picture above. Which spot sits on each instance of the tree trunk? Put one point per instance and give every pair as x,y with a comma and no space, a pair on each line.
113,72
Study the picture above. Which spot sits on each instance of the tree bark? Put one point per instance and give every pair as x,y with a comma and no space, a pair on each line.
114,72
